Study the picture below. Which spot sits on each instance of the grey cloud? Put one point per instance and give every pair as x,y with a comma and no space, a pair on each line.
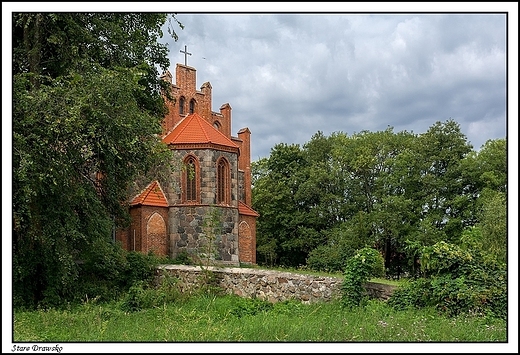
286,76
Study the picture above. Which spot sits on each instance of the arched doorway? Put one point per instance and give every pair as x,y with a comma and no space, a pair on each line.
157,239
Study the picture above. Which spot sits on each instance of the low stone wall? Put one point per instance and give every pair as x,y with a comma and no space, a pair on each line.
273,286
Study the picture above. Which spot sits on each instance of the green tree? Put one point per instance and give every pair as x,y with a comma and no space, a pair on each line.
343,242
482,170
371,165
281,225
441,149
493,224
492,165
396,192
87,110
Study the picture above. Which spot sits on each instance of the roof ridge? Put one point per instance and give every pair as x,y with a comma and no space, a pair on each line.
196,129
199,121
214,130
186,122
137,196
247,210
142,196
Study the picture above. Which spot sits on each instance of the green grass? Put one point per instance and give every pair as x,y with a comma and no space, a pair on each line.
388,282
234,319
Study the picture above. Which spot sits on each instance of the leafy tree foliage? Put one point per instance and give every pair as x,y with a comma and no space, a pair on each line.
277,200
87,108
396,192
493,224
365,264
458,279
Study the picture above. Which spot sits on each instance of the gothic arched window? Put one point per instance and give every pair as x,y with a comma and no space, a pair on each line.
181,105
191,180
223,182
192,106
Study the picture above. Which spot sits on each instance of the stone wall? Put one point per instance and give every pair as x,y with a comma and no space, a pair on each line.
188,233
273,286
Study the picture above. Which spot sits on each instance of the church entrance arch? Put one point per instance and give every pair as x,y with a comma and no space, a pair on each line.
156,235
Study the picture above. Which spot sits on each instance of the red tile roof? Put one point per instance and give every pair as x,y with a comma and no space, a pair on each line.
244,209
152,195
194,129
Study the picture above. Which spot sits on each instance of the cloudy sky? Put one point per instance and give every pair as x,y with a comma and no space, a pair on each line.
288,76
341,67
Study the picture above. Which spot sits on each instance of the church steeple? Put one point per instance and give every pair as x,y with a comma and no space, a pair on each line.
216,173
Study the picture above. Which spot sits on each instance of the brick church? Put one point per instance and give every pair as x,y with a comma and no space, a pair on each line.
171,217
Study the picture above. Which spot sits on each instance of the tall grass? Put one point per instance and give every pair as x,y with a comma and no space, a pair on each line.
208,318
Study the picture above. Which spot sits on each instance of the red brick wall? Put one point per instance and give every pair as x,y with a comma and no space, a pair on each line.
153,234
247,239
126,236
148,231
225,120
244,162
185,86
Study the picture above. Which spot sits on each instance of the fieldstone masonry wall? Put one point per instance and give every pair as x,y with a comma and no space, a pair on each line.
273,286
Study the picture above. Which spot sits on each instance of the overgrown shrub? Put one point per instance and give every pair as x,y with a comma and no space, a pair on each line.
411,294
102,272
344,242
138,297
442,258
325,258
183,258
458,280
250,307
110,272
143,295
367,263
140,267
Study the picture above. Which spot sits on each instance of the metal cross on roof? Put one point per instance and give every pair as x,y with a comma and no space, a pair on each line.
185,55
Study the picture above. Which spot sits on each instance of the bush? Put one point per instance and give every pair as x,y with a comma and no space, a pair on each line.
442,258
411,294
111,271
140,267
367,263
138,297
344,242
142,295
183,258
458,281
250,307
325,258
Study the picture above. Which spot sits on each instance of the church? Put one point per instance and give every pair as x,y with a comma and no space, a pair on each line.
206,205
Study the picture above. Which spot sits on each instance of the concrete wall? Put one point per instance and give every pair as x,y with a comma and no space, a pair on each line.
273,286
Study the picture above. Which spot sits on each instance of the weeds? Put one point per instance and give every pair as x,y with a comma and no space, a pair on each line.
205,318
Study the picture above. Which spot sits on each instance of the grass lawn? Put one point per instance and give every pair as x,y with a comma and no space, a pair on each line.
234,319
